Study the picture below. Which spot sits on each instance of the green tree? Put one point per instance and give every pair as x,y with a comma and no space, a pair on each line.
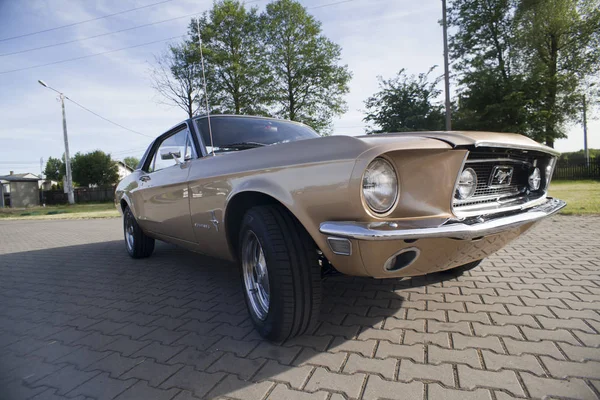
521,64
308,82
237,73
55,169
405,103
560,42
491,90
94,168
131,162
176,77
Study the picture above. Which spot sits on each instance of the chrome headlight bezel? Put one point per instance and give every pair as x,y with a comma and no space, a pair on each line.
392,200
458,194
534,180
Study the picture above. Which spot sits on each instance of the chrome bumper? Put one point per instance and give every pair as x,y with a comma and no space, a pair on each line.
476,228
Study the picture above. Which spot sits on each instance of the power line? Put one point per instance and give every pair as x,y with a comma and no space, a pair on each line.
330,4
85,21
90,55
107,33
108,120
138,45
140,26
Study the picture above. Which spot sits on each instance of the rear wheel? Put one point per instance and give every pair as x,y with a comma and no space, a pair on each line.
137,243
281,275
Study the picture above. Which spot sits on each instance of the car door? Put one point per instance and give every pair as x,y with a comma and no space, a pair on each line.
164,185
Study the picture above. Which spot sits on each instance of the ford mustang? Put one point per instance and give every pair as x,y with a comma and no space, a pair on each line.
287,204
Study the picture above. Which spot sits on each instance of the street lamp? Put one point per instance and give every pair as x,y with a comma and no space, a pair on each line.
70,194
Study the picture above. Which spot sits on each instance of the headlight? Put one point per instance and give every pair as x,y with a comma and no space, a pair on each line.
467,183
535,179
380,186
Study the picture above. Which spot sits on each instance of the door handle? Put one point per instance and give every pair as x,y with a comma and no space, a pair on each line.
145,178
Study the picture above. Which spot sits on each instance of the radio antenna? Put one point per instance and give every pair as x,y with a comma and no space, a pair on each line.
205,90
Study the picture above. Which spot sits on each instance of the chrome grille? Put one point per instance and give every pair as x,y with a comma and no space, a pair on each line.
484,164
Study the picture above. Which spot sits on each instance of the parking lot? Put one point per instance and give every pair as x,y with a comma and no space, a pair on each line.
79,319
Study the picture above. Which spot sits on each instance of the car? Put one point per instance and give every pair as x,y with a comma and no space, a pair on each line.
289,205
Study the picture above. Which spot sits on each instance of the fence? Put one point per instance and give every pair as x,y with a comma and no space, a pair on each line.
571,171
82,195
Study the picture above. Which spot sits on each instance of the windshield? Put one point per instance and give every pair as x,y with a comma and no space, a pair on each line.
238,133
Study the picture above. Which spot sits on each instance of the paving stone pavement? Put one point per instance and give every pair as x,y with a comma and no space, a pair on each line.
79,319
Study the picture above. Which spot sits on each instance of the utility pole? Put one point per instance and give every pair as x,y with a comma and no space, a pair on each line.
42,178
70,194
446,68
585,142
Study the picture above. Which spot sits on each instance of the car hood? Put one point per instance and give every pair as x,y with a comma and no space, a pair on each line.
469,138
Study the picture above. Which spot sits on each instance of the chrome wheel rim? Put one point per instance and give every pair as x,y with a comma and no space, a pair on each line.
256,275
129,240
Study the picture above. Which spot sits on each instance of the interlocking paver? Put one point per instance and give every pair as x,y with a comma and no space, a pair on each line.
284,355
151,371
524,323
141,390
242,367
115,364
295,377
65,379
524,362
415,352
472,378
200,383
235,388
333,361
282,392
544,347
435,392
322,379
466,342
386,368
438,355
566,369
441,373
545,387
102,387
378,388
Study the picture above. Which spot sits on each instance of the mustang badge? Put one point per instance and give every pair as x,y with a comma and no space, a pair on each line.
501,176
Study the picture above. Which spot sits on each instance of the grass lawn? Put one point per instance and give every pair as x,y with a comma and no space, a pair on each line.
91,210
582,197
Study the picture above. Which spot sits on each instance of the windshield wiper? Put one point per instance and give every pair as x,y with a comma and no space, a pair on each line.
242,145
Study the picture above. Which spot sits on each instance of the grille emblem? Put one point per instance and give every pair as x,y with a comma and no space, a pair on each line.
501,176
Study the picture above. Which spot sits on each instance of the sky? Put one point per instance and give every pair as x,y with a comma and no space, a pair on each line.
378,37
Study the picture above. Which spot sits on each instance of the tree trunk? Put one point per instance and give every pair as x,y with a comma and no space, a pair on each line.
190,105
552,90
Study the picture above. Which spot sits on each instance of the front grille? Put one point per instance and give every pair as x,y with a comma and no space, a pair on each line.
492,168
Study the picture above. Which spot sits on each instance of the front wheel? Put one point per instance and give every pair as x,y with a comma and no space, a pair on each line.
137,243
281,275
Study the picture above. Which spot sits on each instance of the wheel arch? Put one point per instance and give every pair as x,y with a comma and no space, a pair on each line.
240,203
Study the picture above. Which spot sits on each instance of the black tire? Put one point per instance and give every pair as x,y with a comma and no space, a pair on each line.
142,245
294,273
461,269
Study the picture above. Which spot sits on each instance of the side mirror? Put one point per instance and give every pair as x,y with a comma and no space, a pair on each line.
170,153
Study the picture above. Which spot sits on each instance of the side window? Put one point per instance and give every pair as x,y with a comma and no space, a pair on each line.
174,148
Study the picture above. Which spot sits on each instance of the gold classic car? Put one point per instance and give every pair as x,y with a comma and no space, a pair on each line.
287,204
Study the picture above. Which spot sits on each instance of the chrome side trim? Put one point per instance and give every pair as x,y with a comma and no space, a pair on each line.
450,229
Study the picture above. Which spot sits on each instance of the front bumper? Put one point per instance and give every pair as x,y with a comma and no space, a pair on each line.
467,229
